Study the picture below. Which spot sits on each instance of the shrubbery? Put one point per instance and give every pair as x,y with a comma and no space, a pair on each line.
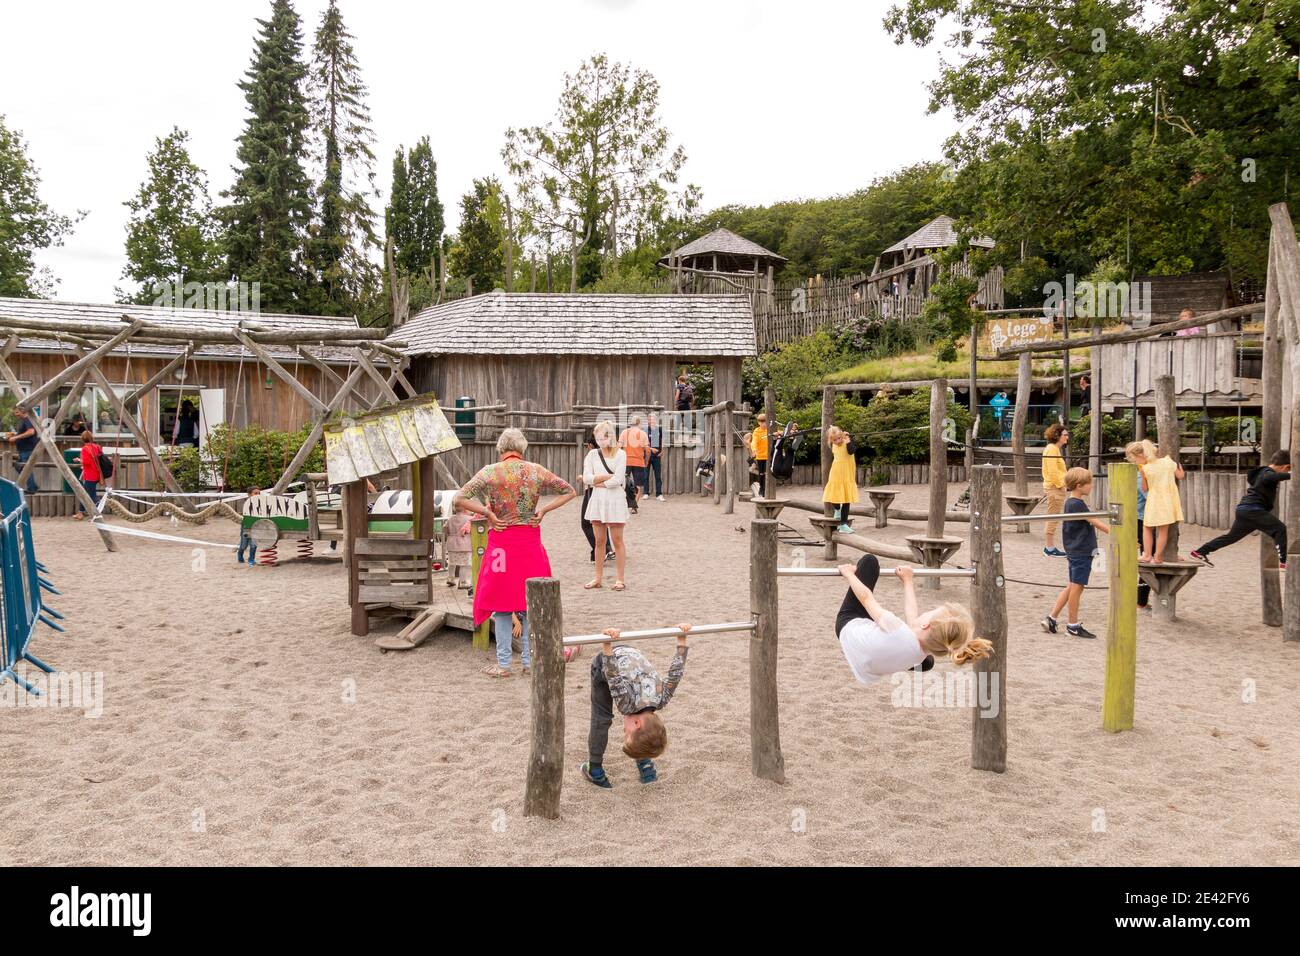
247,457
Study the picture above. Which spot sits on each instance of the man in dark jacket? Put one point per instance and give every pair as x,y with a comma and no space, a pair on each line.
1255,510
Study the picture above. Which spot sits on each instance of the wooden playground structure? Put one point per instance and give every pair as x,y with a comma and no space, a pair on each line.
988,607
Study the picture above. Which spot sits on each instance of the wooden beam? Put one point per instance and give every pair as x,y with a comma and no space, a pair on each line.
52,450
766,759
318,429
287,377
988,603
1018,421
142,439
86,361
158,376
1287,251
1121,623
1132,335
1270,439
67,405
546,754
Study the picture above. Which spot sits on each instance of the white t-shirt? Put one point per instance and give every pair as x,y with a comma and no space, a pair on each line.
875,650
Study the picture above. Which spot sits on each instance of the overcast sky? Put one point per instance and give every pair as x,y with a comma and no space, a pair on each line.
771,100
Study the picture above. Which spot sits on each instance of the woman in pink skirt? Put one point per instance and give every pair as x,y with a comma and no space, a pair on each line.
508,495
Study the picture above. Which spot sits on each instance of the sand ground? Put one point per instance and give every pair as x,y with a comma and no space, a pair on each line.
243,724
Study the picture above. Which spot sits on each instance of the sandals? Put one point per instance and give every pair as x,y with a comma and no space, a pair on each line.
496,670
571,654
592,585
619,586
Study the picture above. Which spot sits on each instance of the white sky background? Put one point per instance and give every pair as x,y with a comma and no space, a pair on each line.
772,100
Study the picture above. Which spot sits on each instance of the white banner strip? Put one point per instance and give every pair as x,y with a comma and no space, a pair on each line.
155,536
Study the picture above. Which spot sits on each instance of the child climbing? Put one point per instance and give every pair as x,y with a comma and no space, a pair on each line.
877,643
623,677
842,484
1164,508
1255,510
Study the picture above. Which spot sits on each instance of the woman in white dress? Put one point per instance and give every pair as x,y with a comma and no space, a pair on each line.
604,471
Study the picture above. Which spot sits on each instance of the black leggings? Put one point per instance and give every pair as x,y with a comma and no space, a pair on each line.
851,608
1244,522
843,512
1144,589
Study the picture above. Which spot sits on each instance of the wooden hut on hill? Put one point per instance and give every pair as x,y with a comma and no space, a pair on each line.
903,273
723,251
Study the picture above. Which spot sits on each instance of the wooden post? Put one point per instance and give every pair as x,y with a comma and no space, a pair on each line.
973,400
1270,439
546,755
988,601
354,503
828,458
938,459
769,408
1024,385
424,491
1094,412
478,548
1287,256
1171,437
1121,621
764,718
729,468
718,467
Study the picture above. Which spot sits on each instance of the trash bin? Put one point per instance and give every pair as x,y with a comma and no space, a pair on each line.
465,420
73,457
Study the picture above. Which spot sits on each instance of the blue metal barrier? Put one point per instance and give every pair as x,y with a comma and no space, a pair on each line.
22,584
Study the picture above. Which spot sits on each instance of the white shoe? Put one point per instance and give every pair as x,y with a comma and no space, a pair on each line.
661,498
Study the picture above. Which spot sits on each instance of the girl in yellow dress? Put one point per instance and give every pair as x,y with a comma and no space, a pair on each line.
842,484
1164,507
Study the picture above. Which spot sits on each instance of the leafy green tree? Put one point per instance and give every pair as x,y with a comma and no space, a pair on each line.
601,175
414,217
1158,134
345,233
26,223
270,203
171,237
477,253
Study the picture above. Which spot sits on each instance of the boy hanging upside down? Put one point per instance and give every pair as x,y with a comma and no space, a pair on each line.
622,676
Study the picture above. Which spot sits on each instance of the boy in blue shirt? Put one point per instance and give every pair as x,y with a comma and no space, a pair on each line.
1080,539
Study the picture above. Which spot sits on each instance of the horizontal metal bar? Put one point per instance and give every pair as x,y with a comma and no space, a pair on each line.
892,572
696,630
1060,516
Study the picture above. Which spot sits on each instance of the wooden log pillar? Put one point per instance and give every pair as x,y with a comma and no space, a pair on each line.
546,753
828,457
478,538
1171,434
769,409
988,602
424,489
938,459
1270,439
1121,620
764,717
1094,416
719,467
1024,385
974,402
1286,252
354,505
729,459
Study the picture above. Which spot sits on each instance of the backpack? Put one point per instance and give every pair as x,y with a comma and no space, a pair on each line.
783,451
105,466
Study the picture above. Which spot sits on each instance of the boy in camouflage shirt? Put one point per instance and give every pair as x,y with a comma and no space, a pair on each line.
622,676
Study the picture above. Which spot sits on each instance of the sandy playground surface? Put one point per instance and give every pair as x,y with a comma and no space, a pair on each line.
229,733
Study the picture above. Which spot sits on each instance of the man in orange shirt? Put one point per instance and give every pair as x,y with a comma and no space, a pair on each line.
636,445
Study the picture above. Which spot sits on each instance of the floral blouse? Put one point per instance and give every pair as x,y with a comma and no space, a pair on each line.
512,488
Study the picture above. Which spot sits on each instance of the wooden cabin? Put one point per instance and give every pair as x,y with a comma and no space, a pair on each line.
901,278
225,383
703,264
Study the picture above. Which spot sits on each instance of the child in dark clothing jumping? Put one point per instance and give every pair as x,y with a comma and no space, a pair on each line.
622,676
1255,510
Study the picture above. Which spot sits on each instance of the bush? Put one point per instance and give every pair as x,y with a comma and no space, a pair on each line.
794,370
256,456
849,415
897,427
1115,432
1222,435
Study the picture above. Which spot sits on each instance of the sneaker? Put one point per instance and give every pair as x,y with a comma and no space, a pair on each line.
596,776
844,529
925,665
1049,624
660,498
1197,556
1054,552
647,770
1078,630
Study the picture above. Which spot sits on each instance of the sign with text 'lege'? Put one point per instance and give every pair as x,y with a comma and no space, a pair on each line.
1024,330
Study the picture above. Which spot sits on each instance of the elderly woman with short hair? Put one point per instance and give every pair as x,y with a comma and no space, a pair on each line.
508,494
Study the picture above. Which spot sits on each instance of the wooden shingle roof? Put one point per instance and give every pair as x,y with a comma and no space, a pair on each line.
723,242
939,233
48,313
525,323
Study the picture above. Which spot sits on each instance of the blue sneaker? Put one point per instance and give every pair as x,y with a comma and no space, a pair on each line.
844,529
596,776
1054,552
647,770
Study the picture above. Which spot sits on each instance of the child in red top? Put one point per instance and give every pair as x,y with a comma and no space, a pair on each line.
91,475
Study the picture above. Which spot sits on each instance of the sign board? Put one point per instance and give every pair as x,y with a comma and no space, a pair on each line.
1006,333
384,438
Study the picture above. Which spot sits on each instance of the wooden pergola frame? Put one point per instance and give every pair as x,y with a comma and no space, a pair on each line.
91,342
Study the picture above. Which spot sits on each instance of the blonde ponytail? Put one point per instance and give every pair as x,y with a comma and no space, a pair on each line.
954,629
